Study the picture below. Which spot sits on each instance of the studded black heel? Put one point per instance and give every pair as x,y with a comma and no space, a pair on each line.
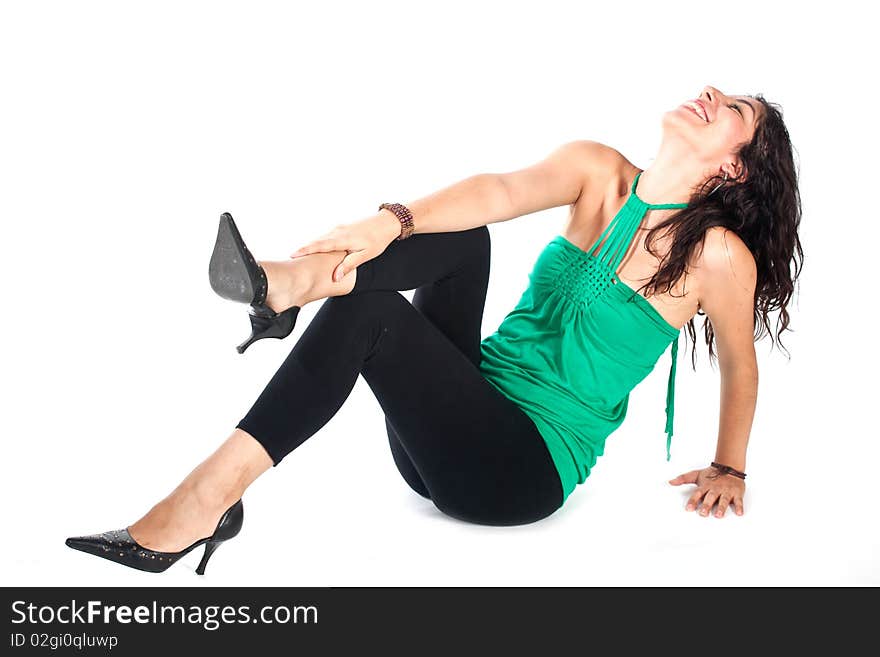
235,275
119,546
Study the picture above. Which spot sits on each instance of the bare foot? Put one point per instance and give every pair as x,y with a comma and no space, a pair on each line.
298,281
290,283
179,520
194,508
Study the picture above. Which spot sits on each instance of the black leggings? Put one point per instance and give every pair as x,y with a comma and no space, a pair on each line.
454,437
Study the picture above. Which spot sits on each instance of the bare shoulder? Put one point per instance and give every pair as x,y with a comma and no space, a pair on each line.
592,160
602,167
593,152
725,251
725,265
594,157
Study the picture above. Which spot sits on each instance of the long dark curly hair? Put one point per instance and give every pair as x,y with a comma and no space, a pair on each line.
762,206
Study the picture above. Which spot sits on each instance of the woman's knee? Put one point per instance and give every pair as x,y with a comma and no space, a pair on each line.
481,242
471,246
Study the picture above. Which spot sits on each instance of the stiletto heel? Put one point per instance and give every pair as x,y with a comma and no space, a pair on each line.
209,550
235,275
277,326
118,545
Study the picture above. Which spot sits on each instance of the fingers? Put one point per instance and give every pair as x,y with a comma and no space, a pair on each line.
686,478
349,262
709,497
695,499
318,246
708,501
723,502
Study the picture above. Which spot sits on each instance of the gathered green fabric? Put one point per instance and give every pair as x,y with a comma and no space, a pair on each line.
577,343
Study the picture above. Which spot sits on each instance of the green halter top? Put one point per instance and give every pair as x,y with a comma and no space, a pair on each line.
578,341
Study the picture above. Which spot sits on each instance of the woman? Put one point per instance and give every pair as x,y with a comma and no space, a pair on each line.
500,431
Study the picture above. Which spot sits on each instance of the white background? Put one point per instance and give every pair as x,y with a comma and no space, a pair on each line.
127,129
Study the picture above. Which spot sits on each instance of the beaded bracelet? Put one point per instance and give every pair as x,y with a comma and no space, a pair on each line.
726,469
404,215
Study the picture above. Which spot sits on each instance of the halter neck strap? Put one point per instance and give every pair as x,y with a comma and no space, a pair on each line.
653,206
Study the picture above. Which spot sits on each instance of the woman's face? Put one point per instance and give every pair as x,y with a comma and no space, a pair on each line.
714,125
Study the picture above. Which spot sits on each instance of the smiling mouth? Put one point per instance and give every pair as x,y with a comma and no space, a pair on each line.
694,110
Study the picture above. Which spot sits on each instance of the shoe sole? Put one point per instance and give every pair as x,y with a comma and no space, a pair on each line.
228,270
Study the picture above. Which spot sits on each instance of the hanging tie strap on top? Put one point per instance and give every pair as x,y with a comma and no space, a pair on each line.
670,385
613,243
615,240
670,397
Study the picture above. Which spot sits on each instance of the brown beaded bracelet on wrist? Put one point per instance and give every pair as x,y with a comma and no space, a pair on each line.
726,469
404,215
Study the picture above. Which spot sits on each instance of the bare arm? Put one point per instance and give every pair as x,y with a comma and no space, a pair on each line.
727,279
488,198
727,289
476,201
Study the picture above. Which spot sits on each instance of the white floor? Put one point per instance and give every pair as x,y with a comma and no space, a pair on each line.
336,512
119,372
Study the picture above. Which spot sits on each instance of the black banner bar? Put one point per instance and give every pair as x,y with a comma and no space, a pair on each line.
123,621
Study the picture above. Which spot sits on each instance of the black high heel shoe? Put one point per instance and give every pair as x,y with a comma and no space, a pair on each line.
235,275
119,546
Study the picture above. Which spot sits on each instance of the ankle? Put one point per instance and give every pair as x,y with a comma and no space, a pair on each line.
291,283
209,494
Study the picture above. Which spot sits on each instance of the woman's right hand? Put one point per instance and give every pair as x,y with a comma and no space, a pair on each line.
363,240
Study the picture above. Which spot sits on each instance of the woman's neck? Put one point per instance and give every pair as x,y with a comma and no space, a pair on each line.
672,177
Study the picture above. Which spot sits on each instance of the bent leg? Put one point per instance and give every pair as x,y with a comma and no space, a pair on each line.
479,456
451,271
431,262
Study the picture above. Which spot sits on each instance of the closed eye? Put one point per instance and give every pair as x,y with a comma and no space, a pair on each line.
738,109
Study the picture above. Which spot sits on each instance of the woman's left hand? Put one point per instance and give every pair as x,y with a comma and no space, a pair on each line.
711,487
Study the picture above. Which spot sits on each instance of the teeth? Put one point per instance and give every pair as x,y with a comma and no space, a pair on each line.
700,112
